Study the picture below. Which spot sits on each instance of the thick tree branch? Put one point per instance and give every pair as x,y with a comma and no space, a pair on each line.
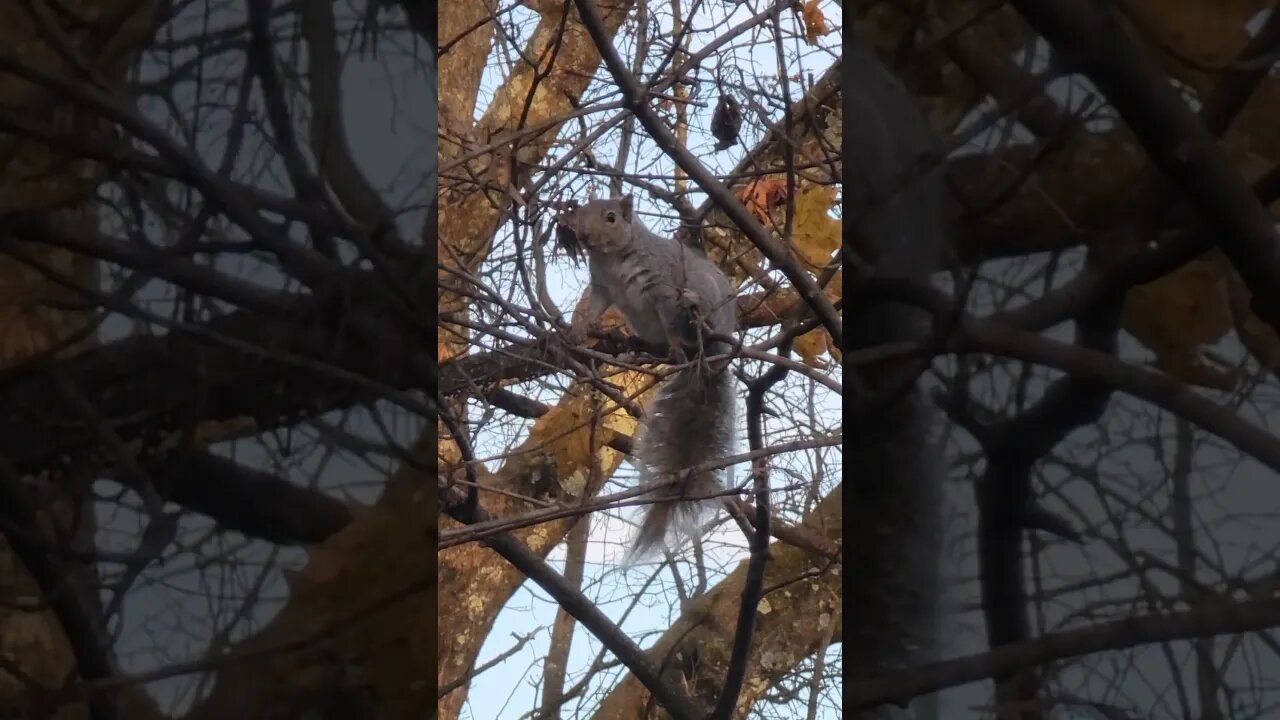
259,371
262,59
1005,499
250,501
753,584
422,18
327,131
976,335
1217,618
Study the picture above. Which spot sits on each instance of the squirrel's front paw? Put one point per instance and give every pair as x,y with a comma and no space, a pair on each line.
690,299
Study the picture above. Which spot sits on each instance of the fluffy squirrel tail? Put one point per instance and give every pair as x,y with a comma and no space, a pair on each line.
691,422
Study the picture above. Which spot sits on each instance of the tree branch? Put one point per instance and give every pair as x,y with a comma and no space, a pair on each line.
263,372
1005,498
976,335
677,703
1219,618
71,604
753,584
250,501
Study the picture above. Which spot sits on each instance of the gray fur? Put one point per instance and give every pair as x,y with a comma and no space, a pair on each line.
897,199
666,292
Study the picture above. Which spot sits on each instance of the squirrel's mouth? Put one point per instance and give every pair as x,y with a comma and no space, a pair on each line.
566,222
566,214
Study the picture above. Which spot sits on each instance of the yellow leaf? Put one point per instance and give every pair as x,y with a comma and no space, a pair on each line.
1177,314
1191,36
811,345
835,287
815,234
563,433
1251,164
1255,126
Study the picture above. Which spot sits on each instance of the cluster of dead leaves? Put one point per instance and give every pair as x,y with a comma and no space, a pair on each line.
815,237
1180,314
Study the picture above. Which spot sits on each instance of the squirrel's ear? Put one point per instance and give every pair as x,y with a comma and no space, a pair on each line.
625,203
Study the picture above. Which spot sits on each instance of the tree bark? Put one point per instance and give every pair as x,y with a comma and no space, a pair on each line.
39,321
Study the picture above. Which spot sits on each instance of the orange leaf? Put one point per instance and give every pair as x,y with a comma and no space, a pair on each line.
761,194
815,24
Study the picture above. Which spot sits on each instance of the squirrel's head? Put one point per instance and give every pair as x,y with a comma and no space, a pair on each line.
594,225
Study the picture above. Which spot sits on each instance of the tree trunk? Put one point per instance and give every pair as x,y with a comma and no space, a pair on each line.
39,316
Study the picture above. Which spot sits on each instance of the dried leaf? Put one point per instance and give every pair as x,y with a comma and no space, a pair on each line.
815,23
1258,336
1195,41
1256,124
811,345
1189,36
1179,313
564,433
815,234
761,194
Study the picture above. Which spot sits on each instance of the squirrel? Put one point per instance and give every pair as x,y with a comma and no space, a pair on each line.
670,295
897,196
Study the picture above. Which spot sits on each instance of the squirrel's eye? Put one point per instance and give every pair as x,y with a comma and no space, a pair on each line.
610,218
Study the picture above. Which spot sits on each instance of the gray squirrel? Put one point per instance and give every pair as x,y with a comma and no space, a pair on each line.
670,296
896,193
